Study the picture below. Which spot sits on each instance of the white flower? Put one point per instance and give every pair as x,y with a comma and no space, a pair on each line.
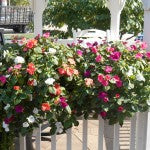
59,127
19,60
7,107
68,109
7,129
140,77
7,76
50,81
5,125
31,119
51,51
34,83
35,111
5,53
25,124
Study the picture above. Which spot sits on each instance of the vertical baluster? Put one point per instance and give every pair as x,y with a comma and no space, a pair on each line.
100,133
53,142
69,139
22,142
38,138
85,135
116,137
133,133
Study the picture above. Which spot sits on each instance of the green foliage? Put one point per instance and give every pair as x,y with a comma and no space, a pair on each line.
19,2
85,14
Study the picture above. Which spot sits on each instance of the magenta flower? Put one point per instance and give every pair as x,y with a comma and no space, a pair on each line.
63,102
103,113
89,44
10,69
100,78
18,66
87,73
105,82
148,55
116,78
98,58
79,52
102,95
144,45
139,56
19,109
105,99
110,49
3,79
133,47
9,120
108,69
94,50
115,56
119,84
120,108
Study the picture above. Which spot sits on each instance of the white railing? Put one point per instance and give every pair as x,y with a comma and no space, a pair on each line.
108,136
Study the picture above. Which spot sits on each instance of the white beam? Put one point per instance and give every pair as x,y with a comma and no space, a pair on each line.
115,7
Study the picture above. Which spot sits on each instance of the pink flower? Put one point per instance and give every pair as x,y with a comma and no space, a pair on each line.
144,45
105,99
10,69
100,78
120,108
103,114
63,102
3,79
139,56
19,109
9,120
110,49
18,66
107,77
119,84
79,52
94,50
105,83
116,78
89,44
25,49
89,82
117,95
115,56
46,35
98,58
148,55
108,69
87,73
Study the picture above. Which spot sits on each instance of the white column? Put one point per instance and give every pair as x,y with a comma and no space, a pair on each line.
38,6
115,7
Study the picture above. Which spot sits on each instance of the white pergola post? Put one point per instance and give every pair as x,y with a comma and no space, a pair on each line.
143,128
38,6
115,7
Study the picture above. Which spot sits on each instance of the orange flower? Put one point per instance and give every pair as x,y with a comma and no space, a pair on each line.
31,43
31,68
88,82
71,61
16,88
45,107
58,89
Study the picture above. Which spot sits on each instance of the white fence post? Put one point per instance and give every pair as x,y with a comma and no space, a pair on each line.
22,142
38,138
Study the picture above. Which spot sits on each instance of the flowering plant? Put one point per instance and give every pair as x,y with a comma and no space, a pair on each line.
115,80
41,80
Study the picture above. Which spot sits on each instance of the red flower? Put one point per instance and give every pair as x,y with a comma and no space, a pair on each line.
103,113
120,108
45,107
30,82
31,68
58,89
69,71
9,120
31,43
117,95
61,71
16,88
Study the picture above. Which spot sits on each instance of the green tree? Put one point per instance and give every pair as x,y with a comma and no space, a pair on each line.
19,2
86,14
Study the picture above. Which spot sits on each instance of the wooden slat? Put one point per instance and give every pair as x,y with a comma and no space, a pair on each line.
22,140
100,133
133,133
53,142
116,137
69,139
38,138
85,134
